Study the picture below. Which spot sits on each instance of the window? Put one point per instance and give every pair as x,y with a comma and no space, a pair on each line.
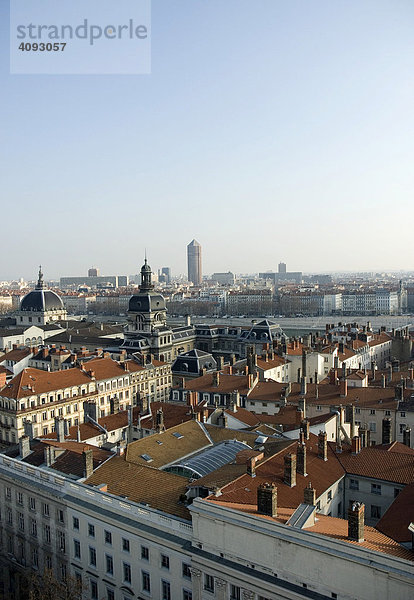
387,413
234,592
402,427
375,489
109,564
165,590
8,493
92,556
32,503
186,571
353,484
375,512
61,541
91,530
144,553
110,594
46,534
35,558
146,581
108,537
165,561
329,495
76,523
209,583
373,427
187,595
61,516
33,527
76,548
46,512
21,521
125,545
358,411
396,492
372,411
127,572
402,414
19,498
94,590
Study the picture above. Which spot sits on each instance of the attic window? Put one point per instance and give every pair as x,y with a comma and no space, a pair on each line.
178,435
159,442
146,457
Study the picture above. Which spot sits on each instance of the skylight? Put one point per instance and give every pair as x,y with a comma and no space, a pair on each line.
178,435
146,457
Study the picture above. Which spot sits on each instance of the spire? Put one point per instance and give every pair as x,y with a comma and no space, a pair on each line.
40,283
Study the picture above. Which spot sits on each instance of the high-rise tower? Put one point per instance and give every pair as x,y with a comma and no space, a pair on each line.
194,262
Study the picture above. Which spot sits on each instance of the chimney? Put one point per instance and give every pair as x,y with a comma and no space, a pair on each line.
303,386
390,373
386,431
114,404
87,457
299,417
364,434
306,428
220,363
356,445
28,429
45,352
333,376
383,381
343,388
322,445
49,455
159,420
78,435
301,460
60,429
222,419
309,495
251,466
267,499
304,367
24,446
216,379
302,405
356,522
407,437
290,470
120,448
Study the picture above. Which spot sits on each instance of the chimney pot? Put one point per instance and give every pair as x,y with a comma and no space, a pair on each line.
267,499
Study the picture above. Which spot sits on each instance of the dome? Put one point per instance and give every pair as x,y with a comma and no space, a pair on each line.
40,299
150,302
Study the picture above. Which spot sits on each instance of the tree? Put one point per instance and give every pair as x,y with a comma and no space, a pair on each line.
45,586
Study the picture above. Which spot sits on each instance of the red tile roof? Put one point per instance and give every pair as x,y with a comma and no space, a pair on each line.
398,517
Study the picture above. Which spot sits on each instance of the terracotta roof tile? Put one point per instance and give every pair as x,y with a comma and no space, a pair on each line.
398,517
378,463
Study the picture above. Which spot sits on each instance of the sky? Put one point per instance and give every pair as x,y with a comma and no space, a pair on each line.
268,130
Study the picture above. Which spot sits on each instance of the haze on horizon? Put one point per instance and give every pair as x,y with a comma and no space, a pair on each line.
268,131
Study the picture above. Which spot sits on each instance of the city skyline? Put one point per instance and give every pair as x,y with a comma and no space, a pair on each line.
293,138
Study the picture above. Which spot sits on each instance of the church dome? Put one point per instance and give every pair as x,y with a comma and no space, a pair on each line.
40,299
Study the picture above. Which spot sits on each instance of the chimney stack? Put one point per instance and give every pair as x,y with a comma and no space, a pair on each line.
364,434
306,428
299,416
386,431
267,499
290,470
309,495
60,429
216,379
356,522
87,457
343,388
251,466
303,386
301,460
24,446
383,381
407,437
356,445
302,405
323,445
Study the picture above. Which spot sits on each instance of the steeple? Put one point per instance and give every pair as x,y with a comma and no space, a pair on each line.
40,283
146,284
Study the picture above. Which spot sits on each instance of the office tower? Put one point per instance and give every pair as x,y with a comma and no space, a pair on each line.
194,262
166,271
282,267
93,272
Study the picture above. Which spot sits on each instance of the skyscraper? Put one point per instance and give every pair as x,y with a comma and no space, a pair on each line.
194,262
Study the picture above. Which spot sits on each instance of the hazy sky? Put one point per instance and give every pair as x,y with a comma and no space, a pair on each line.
268,131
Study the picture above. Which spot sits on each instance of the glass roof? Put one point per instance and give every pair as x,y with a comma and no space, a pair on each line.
211,459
